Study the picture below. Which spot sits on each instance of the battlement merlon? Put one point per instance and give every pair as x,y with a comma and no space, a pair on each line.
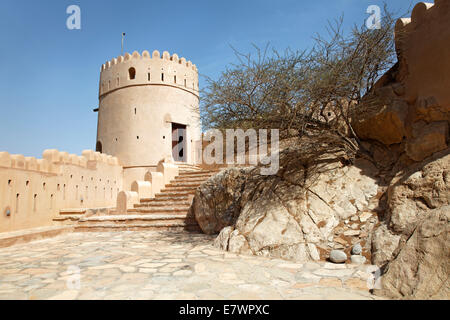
422,44
51,158
138,70
422,13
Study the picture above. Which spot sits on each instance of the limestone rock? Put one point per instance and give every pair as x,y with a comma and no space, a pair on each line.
223,238
384,121
357,249
313,252
338,256
384,244
427,139
417,190
357,259
221,192
421,268
238,243
275,216
365,216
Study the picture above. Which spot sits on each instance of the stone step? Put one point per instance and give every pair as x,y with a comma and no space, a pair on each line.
154,226
200,179
175,194
72,211
163,203
183,166
8,239
68,217
165,199
162,210
187,166
188,169
137,222
193,184
179,189
196,173
133,218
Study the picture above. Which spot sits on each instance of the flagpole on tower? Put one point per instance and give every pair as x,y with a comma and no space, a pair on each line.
123,35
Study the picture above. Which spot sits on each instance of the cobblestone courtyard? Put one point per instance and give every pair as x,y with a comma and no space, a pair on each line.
164,265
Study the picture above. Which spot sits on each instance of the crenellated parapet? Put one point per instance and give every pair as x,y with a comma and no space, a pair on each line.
423,47
52,159
34,191
145,69
422,15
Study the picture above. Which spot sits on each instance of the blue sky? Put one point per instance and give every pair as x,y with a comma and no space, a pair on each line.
50,74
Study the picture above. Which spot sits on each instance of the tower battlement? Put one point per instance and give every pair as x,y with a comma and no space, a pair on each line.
146,102
421,42
155,69
424,15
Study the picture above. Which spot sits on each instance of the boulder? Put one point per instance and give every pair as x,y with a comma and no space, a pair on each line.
384,244
357,259
216,203
357,249
383,119
284,215
338,256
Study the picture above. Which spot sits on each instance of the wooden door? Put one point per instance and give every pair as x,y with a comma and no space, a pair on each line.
179,142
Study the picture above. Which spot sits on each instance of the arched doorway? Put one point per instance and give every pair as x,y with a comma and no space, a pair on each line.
98,147
179,142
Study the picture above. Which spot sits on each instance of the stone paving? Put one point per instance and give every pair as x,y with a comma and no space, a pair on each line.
165,265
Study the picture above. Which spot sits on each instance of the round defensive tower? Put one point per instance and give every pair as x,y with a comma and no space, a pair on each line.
148,109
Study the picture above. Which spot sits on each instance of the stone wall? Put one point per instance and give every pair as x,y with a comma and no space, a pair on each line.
33,191
409,108
423,47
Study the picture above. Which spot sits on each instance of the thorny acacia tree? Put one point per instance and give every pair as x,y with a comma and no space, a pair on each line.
303,94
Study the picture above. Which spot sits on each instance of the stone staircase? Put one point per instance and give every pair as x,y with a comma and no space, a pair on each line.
169,210
73,215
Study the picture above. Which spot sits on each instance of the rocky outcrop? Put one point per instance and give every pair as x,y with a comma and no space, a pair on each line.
421,267
426,139
391,120
417,190
217,202
384,117
287,215
412,194
406,124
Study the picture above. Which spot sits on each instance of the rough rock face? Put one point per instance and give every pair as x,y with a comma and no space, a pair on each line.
276,216
391,120
422,265
412,194
406,124
384,121
411,243
421,188
427,139
384,244
223,197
